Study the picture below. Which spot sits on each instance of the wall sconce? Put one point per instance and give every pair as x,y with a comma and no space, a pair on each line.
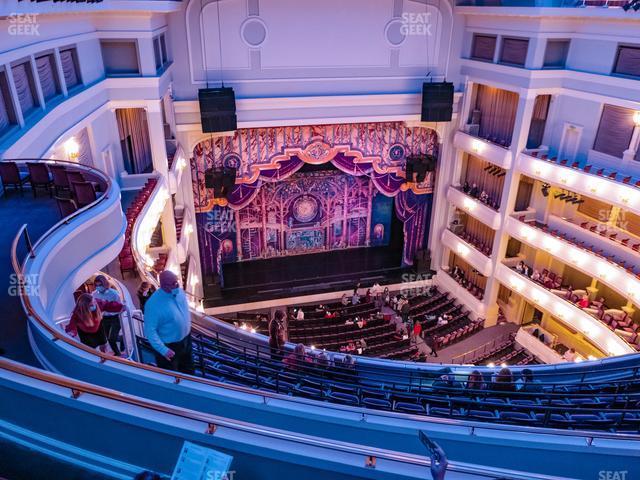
477,146
469,204
182,163
462,250
72,149
636,118
188,229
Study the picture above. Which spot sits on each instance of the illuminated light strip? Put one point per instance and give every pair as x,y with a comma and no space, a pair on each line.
599,268
596,331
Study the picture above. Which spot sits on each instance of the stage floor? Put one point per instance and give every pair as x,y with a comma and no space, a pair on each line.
289,276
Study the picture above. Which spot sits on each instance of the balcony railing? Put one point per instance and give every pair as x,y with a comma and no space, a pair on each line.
619,190
593,329
587,261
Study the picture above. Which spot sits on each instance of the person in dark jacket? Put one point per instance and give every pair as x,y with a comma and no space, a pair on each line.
277,335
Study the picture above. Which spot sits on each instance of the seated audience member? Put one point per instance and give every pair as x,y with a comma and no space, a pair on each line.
570,355
584,302
442,321
528,383
474,192
368,296
322,359
386,296
345,299
503,381
298,358
535,276
86,323
484,197
475,381
144,292
355,299
466,188
527,270
599,303
447,381
300,314
349,363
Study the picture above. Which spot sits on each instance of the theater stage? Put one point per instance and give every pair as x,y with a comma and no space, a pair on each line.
281,277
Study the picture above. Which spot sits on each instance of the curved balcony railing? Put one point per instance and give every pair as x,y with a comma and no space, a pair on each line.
67,355
216,431
625,195
592,328
611,274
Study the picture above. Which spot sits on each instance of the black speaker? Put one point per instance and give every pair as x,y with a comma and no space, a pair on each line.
217,109
417,167
220,180
437,101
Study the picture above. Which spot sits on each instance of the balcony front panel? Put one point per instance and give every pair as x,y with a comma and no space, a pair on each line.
475,208
468,252
616,277
446,282
616,193
500,156
590,327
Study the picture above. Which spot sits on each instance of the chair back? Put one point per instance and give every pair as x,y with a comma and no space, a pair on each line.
59,174
75,176
66,206
39,172
84,193
9,172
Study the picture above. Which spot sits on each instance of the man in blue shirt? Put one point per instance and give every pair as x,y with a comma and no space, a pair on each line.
167,325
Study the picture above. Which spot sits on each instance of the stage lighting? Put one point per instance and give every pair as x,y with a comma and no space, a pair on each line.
545,189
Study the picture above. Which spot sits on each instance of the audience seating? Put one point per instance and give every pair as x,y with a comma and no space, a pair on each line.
609,406
127,262
12,177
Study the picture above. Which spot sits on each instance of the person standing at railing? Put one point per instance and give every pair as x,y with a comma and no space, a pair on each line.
167,325
277,335
86,323
111,305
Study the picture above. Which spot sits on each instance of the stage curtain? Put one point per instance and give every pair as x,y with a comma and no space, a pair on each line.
47,76
24,88
413,211
133,122
615,130
69,67
497,112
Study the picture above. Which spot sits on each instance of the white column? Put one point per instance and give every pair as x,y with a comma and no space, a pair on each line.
156,138
509,194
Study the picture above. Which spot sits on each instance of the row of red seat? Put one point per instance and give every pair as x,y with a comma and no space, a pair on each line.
127,263
611,175
611,235
631,269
